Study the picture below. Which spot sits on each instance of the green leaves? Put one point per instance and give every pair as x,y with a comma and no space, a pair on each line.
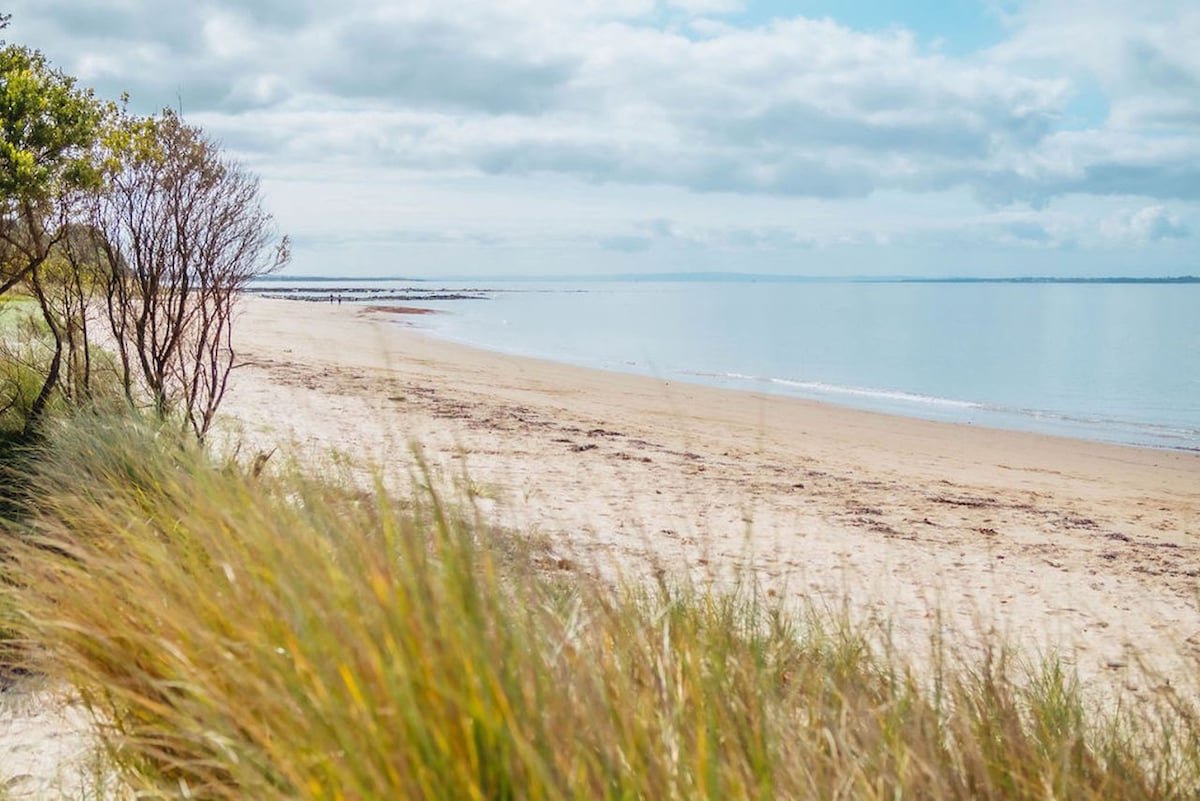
145,211
48,128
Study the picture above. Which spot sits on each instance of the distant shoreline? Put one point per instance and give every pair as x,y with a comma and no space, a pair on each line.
729,278
361,295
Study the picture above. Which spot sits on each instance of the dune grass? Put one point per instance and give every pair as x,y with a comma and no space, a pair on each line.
13,304
289,636
19,382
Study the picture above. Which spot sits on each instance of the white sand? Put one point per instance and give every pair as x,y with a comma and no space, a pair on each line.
1087,548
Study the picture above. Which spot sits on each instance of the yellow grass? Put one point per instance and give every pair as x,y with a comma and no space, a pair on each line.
285,636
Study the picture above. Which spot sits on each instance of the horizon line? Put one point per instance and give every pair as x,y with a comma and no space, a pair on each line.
731,277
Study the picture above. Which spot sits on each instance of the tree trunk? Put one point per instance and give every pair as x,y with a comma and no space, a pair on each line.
38,409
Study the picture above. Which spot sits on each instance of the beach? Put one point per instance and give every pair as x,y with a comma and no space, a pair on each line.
937,539
708,399
936,530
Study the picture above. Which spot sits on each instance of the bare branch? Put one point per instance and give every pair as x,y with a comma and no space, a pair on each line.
184,232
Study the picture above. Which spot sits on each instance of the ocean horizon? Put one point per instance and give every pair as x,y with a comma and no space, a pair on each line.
1106,359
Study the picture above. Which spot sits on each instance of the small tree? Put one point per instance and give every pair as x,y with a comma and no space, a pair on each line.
69,284
49,129
182,231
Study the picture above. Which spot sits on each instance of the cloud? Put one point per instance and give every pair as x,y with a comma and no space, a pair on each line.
648,234
1082,230
203,55
401,236
1028,231
1025,231
417,60
1149,224
1143,55
706,6
788,109
95,23
627,243
602,92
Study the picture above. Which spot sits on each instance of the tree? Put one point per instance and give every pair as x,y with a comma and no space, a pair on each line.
69,282
49,130
143,217
182,230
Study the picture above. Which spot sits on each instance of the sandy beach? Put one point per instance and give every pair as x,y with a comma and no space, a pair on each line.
932,528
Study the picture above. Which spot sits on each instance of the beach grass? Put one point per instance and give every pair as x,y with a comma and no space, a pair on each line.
21,332
15,311
283,634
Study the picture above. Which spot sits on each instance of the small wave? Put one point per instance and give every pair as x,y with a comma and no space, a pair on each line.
1112,429
1166,431
822,388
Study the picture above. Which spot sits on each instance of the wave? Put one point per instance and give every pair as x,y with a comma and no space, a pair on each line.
822,388
1113,429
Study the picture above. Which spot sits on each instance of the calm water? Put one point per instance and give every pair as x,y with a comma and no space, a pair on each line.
1118,363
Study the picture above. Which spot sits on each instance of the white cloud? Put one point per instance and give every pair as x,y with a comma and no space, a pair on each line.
1149,224
707,6
647,234
1141,53
798,107
596,90
621,99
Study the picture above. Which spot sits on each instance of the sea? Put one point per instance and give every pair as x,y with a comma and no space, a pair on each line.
1113,360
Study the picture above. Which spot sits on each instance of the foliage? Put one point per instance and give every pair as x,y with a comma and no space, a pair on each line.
48,125
49,131
144,214
243,636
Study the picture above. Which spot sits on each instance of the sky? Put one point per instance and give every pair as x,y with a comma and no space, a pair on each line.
594,137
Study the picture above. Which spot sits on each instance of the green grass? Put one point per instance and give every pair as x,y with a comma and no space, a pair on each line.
287,636
16,311
26,349
21,332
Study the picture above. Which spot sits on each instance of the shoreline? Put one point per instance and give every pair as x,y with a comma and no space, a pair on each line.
939,528
432,339
763,395
905,403
730,383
